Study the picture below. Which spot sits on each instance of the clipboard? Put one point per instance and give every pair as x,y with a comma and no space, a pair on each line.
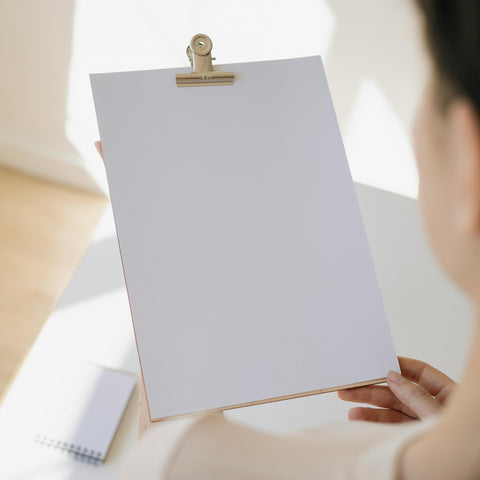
246,261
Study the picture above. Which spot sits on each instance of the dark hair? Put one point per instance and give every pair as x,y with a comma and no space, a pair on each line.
452,30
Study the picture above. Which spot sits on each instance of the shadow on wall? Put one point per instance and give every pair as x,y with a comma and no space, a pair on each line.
35,52
376,67
380,40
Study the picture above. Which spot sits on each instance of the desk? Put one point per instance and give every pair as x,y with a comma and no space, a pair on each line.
429,319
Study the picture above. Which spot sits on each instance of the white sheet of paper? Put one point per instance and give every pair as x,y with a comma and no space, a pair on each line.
246,260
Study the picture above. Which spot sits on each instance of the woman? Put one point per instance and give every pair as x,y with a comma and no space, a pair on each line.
444,446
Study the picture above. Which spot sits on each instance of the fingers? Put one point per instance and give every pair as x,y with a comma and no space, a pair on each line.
98,145
143,415
434,381
418,393
413,396
379,415
379,396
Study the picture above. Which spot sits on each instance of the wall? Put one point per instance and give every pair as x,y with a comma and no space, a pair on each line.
371,51
35,52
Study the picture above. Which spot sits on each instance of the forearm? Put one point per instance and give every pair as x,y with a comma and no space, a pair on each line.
217,449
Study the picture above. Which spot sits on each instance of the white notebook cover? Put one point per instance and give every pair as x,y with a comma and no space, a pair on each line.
246,260
83,404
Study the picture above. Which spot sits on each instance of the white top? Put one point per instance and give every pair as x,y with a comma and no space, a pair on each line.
210,447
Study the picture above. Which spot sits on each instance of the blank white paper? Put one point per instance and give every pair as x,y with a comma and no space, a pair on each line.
246,260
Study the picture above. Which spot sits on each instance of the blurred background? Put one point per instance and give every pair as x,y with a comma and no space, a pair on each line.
61,283
371,51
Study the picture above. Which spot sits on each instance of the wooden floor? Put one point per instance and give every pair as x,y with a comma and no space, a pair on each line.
44,230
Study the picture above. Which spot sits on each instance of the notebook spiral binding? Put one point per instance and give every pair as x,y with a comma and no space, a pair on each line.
77,451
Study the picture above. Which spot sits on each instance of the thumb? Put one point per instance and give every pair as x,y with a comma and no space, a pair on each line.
412,395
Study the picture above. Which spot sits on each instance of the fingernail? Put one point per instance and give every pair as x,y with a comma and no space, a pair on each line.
394,377
355,413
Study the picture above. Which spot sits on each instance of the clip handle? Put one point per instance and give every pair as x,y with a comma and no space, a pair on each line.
199,53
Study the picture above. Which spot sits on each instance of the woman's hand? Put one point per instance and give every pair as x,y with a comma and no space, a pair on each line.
98,146
144,422
419,392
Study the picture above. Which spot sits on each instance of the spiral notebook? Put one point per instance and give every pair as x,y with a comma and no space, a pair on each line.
83,406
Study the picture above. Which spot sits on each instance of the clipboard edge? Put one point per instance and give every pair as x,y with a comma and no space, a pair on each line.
273,399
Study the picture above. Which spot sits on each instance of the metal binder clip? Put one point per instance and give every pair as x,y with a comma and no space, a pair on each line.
199,54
